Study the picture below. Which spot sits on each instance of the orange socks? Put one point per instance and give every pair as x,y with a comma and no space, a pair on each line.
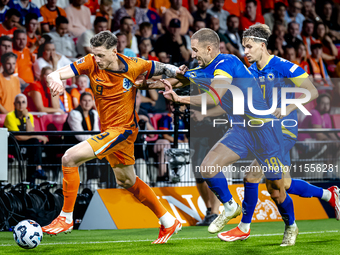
71,183
147,197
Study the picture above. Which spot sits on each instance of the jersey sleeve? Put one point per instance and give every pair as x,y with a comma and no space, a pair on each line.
224,68
84,65
143,67
293,72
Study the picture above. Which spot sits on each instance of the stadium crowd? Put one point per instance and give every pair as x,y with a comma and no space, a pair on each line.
38,37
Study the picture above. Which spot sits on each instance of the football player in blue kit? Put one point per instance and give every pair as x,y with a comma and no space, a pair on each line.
263,137
274,72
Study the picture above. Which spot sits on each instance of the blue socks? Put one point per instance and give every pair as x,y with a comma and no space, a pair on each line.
219,185
250,200
304,189
286,210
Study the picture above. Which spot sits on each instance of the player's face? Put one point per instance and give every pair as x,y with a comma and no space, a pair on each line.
201,53
20,103
86,103
253,50
104,57
9,66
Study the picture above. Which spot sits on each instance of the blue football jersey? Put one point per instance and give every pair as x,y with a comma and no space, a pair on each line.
231,67
280,73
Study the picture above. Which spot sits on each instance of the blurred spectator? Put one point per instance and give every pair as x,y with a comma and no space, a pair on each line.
317,67
161,6
223,48
65,100
277,41
268,6
319,118
329,19
82,86
25,7
233,34
21,120
47,56
277,17
9,83
93,5
138,15
301,56
199,23
309,10
105,10
146,33
250,16
84,118
39,97
222,15
62,40
33,40
5,46
3,9
145,48
161,145
121,45
116,4
330,51
126,27
153,17
25,58
290,54
83,43
50,13
201,14
173,43
293,36
294,12
307,34
234,7
11,23
79,17
177,11
214,25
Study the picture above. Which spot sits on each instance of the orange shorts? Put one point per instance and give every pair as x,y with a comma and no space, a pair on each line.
116,144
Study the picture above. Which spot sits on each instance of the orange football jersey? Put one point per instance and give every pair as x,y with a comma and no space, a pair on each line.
114,92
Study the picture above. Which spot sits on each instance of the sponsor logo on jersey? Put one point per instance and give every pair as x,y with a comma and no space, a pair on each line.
81,60
262,78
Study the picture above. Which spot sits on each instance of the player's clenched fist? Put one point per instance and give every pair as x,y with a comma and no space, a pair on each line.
55,84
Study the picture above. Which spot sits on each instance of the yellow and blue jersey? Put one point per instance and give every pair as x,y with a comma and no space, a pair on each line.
231,67
280,73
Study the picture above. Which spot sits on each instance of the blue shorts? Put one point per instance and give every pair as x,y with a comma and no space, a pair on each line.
264,142
289,142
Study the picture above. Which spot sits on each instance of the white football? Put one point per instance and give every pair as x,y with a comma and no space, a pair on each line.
27,234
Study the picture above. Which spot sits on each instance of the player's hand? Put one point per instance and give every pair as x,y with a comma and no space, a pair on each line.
181,71
56,87
196,115
167,84
140,82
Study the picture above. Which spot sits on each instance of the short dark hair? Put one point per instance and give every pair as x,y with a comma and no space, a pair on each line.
6,56
120,34
288,46
5,38
260,31
124,18
61,20
291,23
29,17
104,38
231,16
99,20
18,31
307,21
278,5
85,94
145,25
251,1
12,12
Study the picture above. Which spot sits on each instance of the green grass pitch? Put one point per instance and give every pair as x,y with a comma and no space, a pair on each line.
316,237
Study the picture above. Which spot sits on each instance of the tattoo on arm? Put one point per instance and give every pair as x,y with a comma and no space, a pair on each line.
167,69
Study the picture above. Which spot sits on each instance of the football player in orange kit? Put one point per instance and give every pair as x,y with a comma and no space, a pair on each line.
112,76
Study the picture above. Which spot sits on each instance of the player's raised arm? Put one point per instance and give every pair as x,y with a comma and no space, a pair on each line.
54,79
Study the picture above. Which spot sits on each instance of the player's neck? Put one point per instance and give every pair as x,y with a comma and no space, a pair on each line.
116,65
263,61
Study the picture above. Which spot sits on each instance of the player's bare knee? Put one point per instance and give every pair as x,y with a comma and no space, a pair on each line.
67,160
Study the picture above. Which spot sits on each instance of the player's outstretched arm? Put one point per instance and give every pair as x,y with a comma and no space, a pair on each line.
169,70
54,79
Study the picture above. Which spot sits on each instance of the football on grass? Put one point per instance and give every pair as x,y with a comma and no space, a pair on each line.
27,234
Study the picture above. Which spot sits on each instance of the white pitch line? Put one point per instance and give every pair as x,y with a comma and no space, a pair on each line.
190,238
